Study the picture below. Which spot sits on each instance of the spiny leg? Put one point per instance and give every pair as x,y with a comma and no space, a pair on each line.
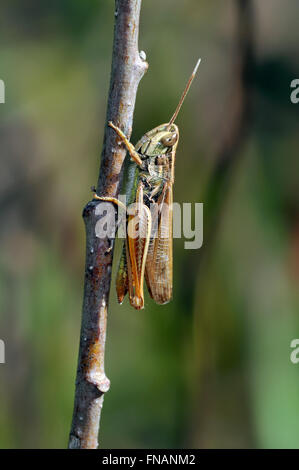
130,147
138,237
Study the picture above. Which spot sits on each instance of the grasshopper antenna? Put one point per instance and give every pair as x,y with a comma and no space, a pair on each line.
184,93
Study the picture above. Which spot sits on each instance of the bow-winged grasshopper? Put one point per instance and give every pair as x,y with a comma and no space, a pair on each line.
147,250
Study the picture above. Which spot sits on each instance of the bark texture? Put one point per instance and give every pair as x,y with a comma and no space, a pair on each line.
128,67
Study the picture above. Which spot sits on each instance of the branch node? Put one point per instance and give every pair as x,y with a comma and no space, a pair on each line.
142,56
100,381
88,209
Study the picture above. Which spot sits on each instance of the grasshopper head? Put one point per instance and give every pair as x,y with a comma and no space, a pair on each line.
164,138
160,140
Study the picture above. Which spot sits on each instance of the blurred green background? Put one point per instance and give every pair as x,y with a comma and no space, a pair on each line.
212,368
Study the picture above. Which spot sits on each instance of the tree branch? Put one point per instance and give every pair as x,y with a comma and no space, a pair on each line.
91,382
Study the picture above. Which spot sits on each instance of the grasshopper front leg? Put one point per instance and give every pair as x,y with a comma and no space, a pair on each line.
130,147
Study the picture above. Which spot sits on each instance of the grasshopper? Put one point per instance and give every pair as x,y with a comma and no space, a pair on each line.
148,253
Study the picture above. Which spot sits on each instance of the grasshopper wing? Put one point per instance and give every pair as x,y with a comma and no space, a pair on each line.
158,269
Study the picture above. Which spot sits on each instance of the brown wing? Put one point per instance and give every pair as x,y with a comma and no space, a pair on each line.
158,268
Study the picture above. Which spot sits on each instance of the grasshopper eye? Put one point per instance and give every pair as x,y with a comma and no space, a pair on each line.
170,140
